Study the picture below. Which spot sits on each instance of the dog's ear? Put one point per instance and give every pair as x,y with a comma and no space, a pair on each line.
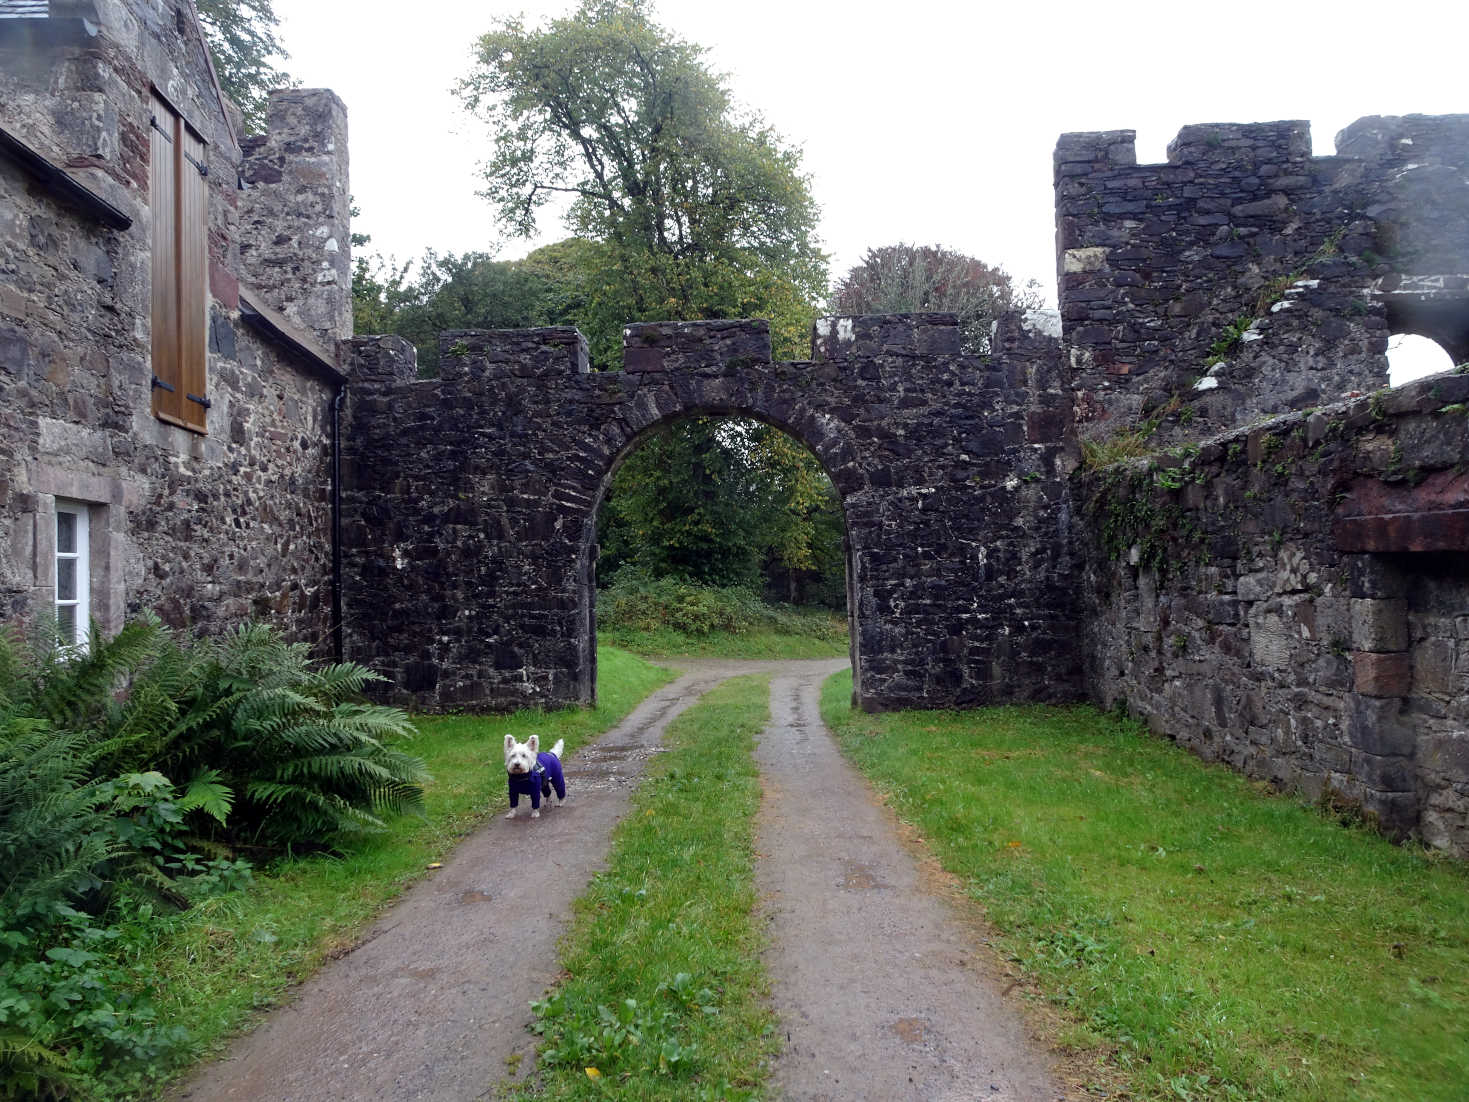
533,743
509,742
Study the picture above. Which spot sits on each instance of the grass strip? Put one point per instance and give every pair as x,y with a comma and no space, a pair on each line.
664,996
1220,941
236,953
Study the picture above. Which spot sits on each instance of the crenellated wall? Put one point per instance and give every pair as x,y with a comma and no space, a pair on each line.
471,501
1245,277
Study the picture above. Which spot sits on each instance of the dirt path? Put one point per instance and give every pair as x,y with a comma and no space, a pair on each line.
878,986
871,975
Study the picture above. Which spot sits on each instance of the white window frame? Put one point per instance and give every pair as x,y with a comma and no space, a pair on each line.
82,557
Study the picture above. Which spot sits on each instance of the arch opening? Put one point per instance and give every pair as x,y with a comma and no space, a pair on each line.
712,521
1430,333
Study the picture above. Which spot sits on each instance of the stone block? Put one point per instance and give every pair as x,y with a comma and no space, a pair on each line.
1444,754
1376,674
1256,587
1433,668
1374,725
1334,620
1396,810
1379,624
1375,576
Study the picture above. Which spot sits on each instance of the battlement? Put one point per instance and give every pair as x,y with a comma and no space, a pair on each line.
852,337
505,353
1239,276
654,346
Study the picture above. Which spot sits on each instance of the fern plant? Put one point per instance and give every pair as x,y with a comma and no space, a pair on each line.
306,760
51,841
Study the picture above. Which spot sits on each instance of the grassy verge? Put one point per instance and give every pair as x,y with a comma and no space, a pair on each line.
664,995
749,644
1221,942
235,953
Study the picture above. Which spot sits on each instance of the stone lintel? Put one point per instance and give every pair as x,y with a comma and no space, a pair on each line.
1445,530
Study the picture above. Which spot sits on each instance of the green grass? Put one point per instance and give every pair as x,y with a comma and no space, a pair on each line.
668,642
236,953
1220,941
664,995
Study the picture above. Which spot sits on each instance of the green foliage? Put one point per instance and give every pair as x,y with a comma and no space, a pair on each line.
690,208
74,1020
216,965
635,603
94,833
242,41
725,503
50,841
471,291
904,279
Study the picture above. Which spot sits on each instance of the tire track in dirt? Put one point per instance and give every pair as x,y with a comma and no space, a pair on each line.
881,992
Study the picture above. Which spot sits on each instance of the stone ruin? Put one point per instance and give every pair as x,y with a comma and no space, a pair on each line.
1283,585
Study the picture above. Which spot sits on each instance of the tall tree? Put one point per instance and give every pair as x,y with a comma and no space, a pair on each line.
904,279
242,38
691,207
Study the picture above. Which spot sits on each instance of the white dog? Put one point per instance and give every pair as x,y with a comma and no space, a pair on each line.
533,773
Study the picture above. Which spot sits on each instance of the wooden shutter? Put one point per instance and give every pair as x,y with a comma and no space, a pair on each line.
193,276
178,196
168,391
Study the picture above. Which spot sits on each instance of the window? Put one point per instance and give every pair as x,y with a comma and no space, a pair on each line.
73,573
178,198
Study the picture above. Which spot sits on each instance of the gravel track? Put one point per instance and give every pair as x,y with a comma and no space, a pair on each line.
873,977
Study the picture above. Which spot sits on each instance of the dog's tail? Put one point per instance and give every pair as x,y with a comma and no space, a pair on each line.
556,750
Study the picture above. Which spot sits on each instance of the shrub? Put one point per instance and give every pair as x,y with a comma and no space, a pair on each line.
638,604
267,750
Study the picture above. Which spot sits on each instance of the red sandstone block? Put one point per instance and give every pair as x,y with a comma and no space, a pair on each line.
1382,674
223,285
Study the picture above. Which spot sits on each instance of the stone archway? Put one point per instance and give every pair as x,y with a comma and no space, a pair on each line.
469,501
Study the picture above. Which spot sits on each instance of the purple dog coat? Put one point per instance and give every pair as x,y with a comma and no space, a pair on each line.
538,782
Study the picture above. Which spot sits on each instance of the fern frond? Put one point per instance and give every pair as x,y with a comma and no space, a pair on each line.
208,794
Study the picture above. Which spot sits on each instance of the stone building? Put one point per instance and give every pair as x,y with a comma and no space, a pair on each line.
171,297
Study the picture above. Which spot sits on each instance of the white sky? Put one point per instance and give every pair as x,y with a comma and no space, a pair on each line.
921,120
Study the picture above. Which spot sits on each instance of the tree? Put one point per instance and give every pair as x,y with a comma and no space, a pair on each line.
242,39
691,208
726,502
904,279
471,291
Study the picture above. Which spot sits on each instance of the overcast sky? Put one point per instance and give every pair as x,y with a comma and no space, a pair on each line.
920,120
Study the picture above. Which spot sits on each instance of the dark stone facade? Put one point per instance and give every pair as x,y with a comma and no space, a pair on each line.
471,501
1294,600
1291,597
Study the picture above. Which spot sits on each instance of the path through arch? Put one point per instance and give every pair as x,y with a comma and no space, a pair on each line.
469,501
433,1002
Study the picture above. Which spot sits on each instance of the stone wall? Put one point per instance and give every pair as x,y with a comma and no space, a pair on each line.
471,501
1246,277
1293,600
208,529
